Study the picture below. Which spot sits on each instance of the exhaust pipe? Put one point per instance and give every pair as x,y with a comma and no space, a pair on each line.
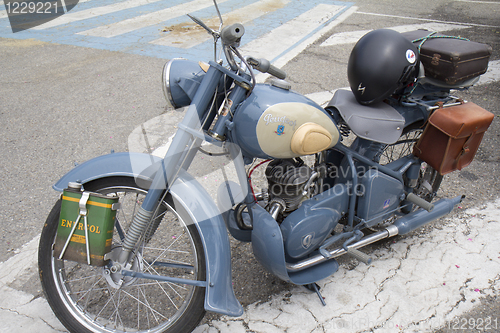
420,217
402,226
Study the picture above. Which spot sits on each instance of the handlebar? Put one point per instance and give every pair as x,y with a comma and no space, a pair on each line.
231,37
264,66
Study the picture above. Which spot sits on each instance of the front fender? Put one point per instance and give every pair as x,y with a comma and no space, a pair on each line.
137,165
219,294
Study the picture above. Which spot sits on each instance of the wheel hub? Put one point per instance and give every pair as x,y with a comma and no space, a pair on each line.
112,271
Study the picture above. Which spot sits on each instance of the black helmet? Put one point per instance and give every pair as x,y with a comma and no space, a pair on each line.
381,63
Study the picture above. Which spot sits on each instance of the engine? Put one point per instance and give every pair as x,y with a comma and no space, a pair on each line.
304,222
286,179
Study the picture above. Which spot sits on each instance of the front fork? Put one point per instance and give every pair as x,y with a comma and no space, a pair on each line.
175,157
180,153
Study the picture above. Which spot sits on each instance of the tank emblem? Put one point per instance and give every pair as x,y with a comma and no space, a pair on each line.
284,120
280,130
307,240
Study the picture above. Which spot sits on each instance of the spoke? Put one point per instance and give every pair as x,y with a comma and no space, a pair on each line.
168,248
145,304
83,278
151,270
164,250
116,313
111,298
88,291
162,214
96,289
139,311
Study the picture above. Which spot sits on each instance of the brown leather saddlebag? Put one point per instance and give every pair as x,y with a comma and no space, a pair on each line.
448,58
452,136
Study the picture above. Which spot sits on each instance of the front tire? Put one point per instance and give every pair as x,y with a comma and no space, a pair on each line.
88,299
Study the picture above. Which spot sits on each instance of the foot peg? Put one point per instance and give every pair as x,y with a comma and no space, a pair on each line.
314,287
415,199
359,255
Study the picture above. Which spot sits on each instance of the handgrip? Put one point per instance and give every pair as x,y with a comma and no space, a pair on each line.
415,199
232,34
275,71
264,66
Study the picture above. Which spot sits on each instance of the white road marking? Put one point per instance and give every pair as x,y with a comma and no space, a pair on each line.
415,284
279,40
251,48
483,2
428,20
284,59
353,36
93,12
21,311
188,34
492,74
16,266
147,20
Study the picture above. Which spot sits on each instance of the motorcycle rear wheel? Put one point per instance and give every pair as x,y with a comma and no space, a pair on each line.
88,299
429,179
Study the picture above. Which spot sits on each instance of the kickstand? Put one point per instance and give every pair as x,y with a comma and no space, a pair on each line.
314,287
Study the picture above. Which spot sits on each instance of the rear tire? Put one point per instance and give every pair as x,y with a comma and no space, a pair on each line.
86,299
429,179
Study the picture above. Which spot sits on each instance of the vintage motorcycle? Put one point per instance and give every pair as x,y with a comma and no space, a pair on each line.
137,244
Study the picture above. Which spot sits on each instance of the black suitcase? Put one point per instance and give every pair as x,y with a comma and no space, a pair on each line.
450,59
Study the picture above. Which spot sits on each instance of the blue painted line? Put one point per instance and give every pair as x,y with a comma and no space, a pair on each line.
137,41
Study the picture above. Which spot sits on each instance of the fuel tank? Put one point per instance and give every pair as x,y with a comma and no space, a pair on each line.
275,122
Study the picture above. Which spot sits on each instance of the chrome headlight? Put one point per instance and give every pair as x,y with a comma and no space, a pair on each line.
180,80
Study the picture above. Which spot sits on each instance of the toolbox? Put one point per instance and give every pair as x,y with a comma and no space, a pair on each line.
448,58
85,229
452,136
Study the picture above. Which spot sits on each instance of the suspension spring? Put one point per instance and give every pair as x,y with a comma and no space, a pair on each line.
344,129
137,227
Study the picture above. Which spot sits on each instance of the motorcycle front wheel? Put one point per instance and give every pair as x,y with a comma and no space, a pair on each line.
93,299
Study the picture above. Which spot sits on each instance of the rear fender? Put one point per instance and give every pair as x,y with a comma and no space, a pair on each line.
195,201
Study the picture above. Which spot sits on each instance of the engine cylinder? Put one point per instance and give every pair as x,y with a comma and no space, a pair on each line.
286,180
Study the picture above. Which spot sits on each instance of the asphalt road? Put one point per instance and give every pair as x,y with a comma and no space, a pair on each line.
62,104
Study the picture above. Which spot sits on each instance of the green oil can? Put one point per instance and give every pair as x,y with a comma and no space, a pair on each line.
86,223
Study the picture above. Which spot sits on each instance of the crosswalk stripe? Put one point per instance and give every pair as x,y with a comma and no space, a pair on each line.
184,36
353,36
147,20
93,12
279,40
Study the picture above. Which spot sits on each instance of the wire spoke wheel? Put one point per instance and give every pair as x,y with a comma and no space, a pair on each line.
429,179
97,299
402,147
